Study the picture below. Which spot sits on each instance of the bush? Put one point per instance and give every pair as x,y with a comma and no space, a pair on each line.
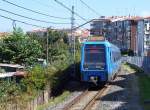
17,49
2,70
34,80
9,93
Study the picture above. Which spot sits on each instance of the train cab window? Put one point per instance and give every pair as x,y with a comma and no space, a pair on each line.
94,56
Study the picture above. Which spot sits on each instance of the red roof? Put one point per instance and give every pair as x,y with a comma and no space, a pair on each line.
3,33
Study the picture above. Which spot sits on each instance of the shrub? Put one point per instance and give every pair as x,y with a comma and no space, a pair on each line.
34,80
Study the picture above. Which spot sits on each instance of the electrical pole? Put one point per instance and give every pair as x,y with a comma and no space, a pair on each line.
14,24
73,49
47,42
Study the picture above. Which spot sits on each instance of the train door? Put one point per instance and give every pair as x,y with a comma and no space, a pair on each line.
109,63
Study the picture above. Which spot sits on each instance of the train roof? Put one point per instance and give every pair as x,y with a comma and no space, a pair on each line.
108,44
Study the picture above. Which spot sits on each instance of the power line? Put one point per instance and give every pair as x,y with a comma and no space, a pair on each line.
43,4
22,22
37,12
32,18
46,5
90,8
42,26
82,24
70,9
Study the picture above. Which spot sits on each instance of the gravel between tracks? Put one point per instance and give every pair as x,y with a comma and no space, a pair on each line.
123,94
67,100
76,89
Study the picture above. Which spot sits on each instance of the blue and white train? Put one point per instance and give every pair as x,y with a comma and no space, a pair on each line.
100,61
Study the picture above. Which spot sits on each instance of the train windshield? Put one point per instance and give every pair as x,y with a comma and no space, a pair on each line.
94,57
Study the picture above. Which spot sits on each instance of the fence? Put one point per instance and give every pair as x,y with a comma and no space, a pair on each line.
41,99
142,62
32,105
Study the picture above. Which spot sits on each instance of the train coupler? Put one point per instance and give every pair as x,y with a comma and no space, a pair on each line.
94,79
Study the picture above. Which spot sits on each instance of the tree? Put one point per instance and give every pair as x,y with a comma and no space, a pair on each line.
34,80
20,48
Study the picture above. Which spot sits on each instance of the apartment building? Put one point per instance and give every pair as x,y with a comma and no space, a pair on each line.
101,27
120,34
140,38
124,33
127,32
147,36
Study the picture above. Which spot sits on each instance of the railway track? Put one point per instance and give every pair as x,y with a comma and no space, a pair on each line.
87,99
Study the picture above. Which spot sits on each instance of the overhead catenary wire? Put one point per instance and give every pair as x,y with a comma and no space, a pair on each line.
46,5
23,22
41,3
70,10
82,24
42,26
89,7
32,18
37,12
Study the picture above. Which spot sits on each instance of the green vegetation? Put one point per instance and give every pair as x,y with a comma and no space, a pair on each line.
144,84
19,48
2,70
127,52
36,80
128,67
25,49
54,101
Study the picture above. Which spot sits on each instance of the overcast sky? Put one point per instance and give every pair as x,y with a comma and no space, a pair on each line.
103,7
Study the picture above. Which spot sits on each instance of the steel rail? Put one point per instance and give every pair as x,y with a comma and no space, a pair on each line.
94,99
91,102
74,101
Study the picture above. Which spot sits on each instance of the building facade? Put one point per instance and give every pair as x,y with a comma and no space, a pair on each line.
122,34
128,33
147,36
101,27
140,38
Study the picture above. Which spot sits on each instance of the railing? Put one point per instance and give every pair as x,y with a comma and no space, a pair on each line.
142,62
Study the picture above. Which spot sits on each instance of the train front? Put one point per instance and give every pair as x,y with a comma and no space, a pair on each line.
93,62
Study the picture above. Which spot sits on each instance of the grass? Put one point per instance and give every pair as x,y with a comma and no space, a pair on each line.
128,67
144,84
54,101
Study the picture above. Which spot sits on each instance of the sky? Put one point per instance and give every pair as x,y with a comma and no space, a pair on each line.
50,7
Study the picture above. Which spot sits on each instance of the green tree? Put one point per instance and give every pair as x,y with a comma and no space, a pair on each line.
20,48
9,93
35,80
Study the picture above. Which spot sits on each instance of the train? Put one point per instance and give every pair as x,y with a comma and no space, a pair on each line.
100,62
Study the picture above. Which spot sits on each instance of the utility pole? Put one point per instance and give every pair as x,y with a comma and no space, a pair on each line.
73,49
47,42
14,24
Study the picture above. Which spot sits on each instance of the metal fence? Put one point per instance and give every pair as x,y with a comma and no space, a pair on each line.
142,62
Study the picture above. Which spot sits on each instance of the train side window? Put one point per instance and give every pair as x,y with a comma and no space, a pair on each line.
113,56
110,56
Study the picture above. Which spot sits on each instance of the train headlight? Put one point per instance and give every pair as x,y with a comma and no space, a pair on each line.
98,66
85,66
